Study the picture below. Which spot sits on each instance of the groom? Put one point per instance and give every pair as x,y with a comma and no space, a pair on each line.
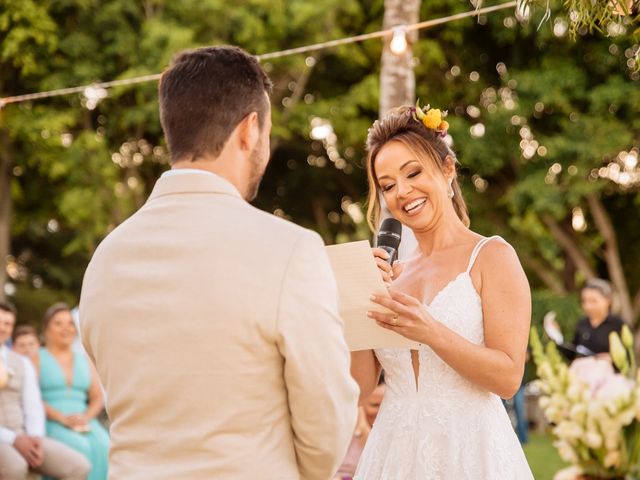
214,326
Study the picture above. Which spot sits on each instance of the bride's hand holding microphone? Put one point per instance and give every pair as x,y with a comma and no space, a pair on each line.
389,272
386,251
408,317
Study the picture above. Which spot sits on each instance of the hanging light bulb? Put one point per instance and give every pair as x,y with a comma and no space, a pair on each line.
320,129
93,95
578,222
399,40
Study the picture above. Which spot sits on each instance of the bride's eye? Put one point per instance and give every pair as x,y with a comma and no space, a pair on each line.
414,174
386,188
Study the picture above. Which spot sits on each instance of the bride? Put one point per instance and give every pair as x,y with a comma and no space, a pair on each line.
463,298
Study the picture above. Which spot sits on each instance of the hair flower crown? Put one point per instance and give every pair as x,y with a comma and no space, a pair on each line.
432,118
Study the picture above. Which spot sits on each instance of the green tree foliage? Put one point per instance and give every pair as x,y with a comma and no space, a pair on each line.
78,172
548,113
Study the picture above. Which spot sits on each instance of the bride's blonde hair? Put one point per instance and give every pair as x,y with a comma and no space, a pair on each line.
429,147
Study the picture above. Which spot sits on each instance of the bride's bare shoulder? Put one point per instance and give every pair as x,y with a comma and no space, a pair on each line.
499,259
497,249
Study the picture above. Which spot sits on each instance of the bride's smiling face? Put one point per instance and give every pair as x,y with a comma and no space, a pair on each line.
416,192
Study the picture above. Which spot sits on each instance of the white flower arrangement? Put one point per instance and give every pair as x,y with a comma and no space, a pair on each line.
594,411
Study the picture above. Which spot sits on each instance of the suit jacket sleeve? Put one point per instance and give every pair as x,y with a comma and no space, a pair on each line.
321,392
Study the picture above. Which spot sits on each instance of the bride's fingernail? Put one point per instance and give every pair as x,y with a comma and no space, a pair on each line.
369,314
372,298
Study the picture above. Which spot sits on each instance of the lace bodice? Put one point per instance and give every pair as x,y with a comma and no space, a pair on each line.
444,427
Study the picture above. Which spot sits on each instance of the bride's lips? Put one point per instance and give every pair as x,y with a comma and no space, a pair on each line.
414,206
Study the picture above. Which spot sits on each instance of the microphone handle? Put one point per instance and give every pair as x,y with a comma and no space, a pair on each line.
393,254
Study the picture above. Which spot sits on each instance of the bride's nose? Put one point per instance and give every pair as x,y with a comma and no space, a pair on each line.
404,189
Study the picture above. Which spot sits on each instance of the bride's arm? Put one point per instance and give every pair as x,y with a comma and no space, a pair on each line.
497,366
365,369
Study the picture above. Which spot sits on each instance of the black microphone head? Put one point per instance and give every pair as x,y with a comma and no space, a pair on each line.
390,233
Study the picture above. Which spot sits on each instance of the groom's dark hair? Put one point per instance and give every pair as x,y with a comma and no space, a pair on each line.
205,94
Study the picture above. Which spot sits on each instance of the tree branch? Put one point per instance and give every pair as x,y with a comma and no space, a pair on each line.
320,215
612,254
545,274
636,305
6,173
301,87
569,245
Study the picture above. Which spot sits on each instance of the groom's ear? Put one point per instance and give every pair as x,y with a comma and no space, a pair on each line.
248,132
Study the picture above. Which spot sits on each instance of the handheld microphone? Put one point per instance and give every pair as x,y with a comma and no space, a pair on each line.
389,237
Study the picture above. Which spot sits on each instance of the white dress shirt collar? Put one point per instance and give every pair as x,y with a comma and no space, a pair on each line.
187,180
183,171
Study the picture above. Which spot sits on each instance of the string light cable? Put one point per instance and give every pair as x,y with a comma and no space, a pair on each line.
97,91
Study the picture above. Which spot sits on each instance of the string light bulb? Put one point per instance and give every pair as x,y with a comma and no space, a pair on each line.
320,129
93,95
578,222
399,40
4,101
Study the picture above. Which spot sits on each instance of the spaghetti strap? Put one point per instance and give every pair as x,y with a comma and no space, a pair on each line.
477,248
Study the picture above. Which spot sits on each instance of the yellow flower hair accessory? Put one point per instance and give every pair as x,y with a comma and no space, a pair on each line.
432,118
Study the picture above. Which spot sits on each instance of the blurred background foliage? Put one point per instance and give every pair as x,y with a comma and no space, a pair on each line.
546,129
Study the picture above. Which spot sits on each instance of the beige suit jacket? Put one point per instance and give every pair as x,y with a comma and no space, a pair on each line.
214,327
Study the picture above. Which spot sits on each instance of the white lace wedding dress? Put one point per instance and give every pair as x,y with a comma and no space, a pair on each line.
446,428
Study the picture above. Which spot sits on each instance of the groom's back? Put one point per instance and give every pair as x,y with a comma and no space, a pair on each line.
180,313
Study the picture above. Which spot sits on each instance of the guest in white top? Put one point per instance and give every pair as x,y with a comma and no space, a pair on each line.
23,446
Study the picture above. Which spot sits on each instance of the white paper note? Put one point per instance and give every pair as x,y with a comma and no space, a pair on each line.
358,278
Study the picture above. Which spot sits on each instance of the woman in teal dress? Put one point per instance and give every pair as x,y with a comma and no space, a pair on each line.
71,392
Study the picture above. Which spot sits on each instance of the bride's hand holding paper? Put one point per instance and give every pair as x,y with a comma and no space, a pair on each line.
408,317
358,275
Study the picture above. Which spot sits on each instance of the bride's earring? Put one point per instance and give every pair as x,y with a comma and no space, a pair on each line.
451,192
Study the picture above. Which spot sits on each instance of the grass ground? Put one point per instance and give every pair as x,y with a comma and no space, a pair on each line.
542,456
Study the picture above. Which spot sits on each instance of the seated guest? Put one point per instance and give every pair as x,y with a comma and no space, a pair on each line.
348,468
71,392
372,405
594,328
366,416
27,343
23,446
